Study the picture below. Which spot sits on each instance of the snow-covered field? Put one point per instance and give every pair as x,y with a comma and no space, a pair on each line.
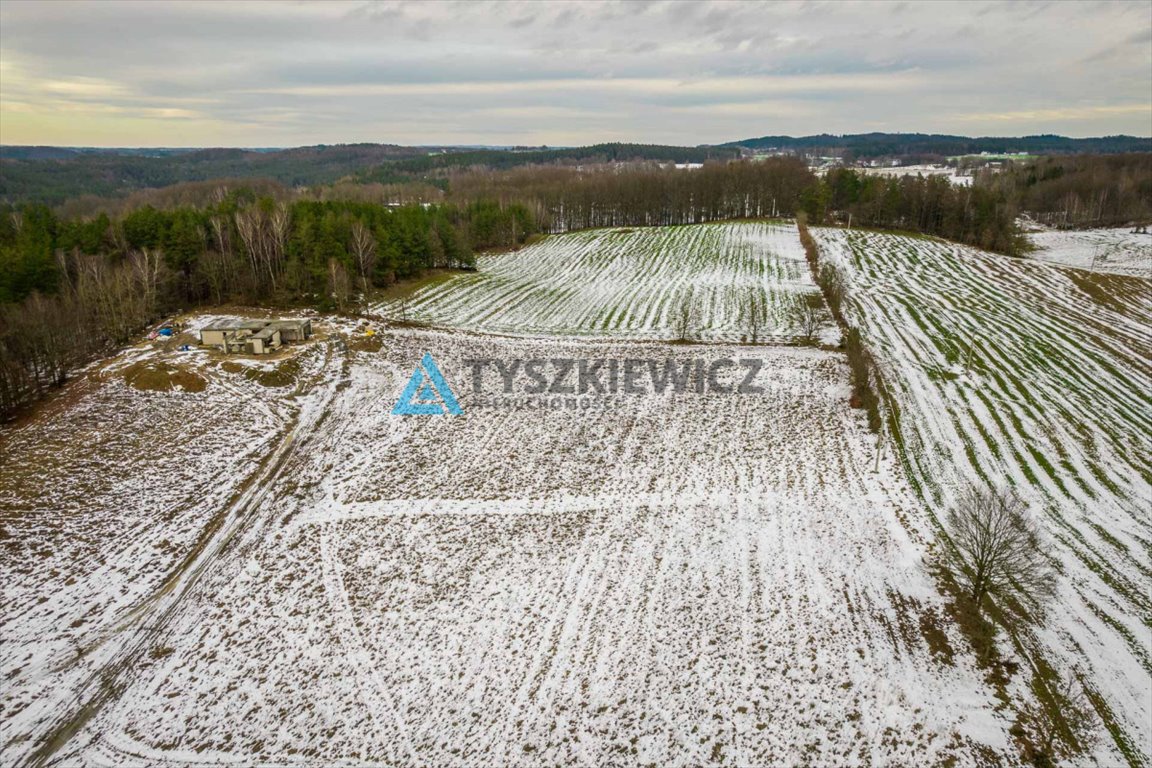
1055,401
110,495
631,283
948,172
1119,251
685,579
264,566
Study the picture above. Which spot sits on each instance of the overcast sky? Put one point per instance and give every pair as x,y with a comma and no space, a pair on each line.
110,73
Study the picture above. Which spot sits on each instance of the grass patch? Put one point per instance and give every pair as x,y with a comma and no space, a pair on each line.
162,377
1101,288
362,343
283,375
405,289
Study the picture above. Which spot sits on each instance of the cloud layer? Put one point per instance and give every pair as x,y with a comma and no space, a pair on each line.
116,73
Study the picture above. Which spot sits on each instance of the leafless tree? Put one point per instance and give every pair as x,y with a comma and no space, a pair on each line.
997,549
64,269
685,315
808,317
40,342
338,284
221,234
264,233
220,272
832,284
756,309
280,222
147,265
364,253
117,236
248,226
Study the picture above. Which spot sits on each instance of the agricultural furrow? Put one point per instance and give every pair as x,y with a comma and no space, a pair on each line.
1024,375
633,284
121,651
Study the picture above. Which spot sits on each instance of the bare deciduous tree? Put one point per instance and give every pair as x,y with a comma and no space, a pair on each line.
808,317
339,284
221,234
264,233
997,549
219,273
685,315
147,265
757,313
364,253
280,222
832,284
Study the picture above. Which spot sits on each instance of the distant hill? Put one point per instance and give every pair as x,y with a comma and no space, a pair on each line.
52,175
881,144
502,159
55,174
66,153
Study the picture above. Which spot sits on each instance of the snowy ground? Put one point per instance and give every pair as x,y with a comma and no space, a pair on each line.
686,579
632,283
109,494
1104,250
1054,400
264,566
948,172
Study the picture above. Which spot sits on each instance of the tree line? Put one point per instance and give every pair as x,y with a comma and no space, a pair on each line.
115,266
1082,190
983,215
72,288
567,199
940,145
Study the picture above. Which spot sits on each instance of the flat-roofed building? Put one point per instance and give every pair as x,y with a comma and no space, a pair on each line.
254,337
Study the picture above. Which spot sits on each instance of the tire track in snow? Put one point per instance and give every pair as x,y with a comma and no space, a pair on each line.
120,653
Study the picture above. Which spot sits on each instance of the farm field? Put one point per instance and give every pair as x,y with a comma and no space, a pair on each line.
632,283
1054,399
212,560
686,579
111,495
1116,251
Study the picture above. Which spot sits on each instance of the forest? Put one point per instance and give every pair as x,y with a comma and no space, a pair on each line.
1081,190
82,278
865,145
53,175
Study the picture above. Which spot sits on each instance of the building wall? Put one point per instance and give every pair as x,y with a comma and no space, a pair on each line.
212,338
297,332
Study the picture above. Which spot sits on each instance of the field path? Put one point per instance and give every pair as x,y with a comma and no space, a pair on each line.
117,654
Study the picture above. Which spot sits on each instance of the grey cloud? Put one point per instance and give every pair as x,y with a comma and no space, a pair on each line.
435,72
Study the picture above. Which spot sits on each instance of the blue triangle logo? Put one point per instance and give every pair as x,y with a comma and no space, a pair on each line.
427,393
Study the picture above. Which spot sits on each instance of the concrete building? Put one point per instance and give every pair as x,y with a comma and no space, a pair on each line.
254,337
294,330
